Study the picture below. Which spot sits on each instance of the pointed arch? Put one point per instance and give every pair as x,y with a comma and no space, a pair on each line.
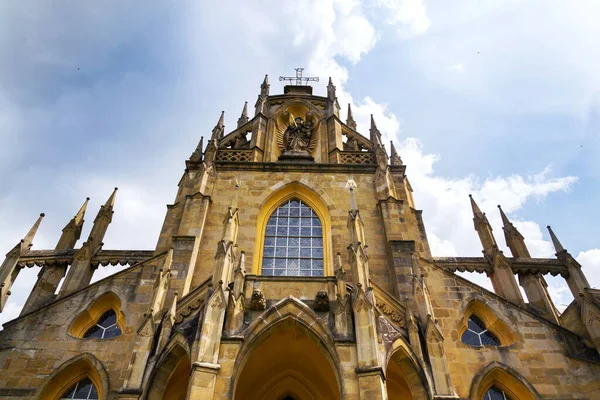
405,376
72,371
95,309
503,377
311,366
490,318
170,376
310,197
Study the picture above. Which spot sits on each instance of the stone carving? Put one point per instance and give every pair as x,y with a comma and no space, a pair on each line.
257,301
297,138
321,301
186,311
393,314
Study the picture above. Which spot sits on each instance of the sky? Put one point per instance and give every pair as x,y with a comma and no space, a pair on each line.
500,99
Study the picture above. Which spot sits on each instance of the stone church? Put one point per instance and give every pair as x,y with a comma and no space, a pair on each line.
294,264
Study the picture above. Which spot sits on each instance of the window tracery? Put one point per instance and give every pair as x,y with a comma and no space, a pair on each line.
82,390
495,393
293,244
477,334
105,328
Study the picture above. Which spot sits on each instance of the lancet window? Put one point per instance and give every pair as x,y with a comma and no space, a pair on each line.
82,390
105,328
495,393
293,241
477,334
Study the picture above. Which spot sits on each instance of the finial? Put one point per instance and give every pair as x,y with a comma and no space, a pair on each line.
375,134
81,213
242,262
505,220
350,119
350,184
264,88
31,234
111,200
244,117
221,122
475,207
557,245
198,153
395,158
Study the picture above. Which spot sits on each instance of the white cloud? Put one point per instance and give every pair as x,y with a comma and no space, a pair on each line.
590,262
458,68
408,16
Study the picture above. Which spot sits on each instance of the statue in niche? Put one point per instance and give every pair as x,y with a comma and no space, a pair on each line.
297,139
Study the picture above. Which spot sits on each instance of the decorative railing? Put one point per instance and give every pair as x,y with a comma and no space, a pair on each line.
234,155
357,157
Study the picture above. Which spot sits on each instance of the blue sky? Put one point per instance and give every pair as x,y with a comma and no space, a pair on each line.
496,98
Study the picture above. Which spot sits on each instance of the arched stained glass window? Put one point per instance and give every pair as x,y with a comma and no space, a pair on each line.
293,242
495,393
82,390
105,328
477,334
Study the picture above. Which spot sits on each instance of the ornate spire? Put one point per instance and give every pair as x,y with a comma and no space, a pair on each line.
28,239
219,129
72,231
101,222
395,158
330,90
244,117
514,239
350,119
264,87
484,230
197,154
374,133
557,245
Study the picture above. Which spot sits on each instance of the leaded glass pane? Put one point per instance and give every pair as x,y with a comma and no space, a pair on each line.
82,390
478,335
293,242
495,393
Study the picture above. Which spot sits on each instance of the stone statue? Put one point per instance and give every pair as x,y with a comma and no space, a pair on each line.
297,139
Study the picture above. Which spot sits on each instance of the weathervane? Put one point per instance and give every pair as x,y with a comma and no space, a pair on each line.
298,78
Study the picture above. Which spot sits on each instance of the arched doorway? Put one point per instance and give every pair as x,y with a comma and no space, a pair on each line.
171,377
287,361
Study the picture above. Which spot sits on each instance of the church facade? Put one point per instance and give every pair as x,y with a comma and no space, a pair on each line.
293,263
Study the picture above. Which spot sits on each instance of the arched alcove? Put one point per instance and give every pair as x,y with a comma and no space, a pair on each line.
288,353
405,379
171,376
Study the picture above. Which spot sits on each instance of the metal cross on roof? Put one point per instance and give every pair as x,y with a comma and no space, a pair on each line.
298,78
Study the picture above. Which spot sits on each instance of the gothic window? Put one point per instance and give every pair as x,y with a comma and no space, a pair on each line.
82,390
495,393
477,334
105,328
293,242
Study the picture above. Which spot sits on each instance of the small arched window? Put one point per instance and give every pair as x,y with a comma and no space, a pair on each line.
495,393
82,390
477,334
105,328
293,243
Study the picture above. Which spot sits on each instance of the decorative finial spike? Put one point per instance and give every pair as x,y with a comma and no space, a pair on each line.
475,207
111,200
28,239
395,158
350,119
557,245
81,213
244,117
505,220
